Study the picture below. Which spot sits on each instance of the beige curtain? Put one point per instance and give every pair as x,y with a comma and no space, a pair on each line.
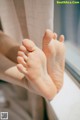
27,19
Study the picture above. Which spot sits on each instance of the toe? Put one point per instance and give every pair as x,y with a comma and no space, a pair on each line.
21,61
61,38
48,42
47,36
20,53
29,45
55,36
22,69
22,48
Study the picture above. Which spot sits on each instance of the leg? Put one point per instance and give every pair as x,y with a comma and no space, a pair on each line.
8,58
8,47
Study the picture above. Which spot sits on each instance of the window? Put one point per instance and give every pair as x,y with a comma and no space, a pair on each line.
67,22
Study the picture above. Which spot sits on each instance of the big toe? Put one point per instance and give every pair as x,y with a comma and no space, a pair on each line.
29,45
48,36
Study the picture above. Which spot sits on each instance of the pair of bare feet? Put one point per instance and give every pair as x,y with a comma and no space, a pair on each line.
44,69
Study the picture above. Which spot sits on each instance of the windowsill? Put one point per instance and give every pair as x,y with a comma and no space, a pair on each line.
66,105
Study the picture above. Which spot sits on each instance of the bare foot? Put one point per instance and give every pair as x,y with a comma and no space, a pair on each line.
55,53
32,63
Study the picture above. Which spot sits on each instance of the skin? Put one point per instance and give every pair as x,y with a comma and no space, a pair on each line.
55,53
11,74
44,85
43,69
37,76
8,56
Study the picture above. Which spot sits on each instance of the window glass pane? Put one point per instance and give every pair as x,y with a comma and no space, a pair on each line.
67,22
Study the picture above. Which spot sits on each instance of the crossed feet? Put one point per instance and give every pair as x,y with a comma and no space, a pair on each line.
44,70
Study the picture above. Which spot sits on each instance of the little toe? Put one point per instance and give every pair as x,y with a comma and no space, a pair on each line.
61,38
29,45
22,69
21,61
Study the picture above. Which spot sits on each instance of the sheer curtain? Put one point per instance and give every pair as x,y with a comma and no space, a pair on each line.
39,16
27,19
